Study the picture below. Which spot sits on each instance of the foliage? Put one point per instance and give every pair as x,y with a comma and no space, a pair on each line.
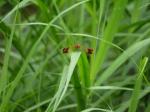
74,55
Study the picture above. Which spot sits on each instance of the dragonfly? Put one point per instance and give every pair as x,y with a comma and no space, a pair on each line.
78,47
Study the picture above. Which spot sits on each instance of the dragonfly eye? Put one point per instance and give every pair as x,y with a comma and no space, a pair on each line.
89,51
66,50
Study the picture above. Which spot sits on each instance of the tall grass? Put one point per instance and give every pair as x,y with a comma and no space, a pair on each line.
37,76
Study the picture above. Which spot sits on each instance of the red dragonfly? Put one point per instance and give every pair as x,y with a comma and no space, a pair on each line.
78,47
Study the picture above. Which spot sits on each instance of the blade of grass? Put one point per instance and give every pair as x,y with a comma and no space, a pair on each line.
65,79
121,59
110,88
81,98
4,76
38,105
38,23
96,109
137,87
108,36
67,107
83,69
94,37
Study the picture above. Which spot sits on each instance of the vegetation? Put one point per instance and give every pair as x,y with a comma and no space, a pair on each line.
74,56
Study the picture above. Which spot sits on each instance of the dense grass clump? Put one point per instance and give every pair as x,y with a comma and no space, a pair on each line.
74,55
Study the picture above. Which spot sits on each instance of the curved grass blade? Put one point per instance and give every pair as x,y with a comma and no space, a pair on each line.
38,23
65,79
121,59
137,88
94,37
96,109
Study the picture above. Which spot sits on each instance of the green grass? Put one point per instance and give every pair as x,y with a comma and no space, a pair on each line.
35,74
137,87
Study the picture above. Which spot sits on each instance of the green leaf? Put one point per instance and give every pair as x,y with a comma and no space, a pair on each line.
65,79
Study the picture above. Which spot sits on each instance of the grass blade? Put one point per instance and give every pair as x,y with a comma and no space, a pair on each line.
66,77
4,76
121,59
137,88
108,36
109,88
96,109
